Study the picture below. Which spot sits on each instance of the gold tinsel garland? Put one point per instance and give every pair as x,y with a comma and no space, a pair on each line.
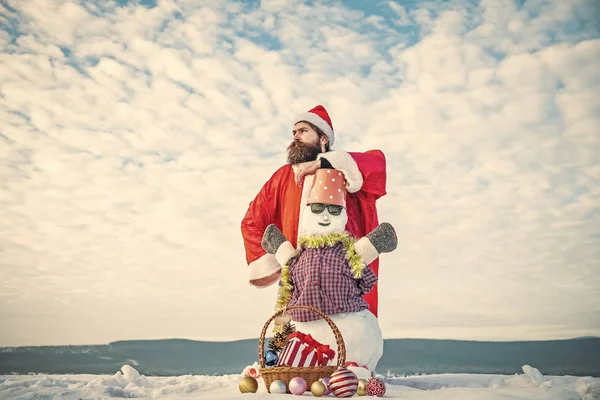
312,241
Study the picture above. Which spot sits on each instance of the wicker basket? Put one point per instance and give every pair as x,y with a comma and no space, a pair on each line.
309,374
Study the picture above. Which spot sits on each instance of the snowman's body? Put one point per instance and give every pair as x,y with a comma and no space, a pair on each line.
361,333
360,329
329,271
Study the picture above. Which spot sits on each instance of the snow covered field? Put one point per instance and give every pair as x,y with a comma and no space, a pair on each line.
128,383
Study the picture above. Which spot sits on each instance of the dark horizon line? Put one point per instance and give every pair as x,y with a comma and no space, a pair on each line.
256,338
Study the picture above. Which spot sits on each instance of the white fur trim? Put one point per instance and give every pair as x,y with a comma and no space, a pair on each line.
284,253
306,187
264,267
344,162
365,249
318,121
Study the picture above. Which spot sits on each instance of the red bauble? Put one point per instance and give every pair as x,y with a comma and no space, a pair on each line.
375,387
343,383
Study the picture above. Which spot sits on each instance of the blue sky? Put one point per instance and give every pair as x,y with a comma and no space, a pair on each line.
133,135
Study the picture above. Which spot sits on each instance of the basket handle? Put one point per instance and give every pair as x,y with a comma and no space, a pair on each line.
336,332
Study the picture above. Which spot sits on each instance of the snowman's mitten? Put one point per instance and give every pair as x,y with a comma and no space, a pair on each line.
274,242
382,239
272,239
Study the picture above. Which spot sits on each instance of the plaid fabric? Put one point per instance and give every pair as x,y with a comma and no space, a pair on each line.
323,279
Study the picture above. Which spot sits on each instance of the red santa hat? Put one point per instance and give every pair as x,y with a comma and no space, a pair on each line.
319,117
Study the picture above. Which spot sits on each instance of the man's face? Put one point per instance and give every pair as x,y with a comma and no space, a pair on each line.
306,145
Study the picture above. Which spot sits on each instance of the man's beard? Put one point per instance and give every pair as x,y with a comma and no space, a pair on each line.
299,152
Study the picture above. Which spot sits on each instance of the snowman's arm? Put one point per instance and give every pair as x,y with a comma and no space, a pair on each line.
367,280
382,239
274,242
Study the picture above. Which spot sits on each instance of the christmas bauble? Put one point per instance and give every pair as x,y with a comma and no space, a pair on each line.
326,383
375,387
277,387
343,383
248,385
318,388
271,358
362,387
297,386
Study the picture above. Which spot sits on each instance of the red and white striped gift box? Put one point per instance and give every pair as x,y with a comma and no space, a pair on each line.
304,351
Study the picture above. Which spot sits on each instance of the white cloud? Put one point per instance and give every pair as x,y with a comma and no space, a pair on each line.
526,72
403,17
133,139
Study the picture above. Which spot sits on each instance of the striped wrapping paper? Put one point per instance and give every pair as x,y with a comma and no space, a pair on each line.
303,351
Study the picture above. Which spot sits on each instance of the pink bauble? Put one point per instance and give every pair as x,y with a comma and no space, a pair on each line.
343,383
375,387
326,383
297,386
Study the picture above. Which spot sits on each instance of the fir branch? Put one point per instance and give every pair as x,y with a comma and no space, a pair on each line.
280,340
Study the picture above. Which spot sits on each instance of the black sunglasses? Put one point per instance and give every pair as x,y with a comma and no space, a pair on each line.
318,208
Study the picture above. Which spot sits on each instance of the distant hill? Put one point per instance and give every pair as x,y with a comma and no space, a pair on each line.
172,357
579,357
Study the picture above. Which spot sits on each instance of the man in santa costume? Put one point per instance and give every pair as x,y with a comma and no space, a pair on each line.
284,196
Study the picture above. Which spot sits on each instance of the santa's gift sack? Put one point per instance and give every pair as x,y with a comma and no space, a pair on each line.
304,351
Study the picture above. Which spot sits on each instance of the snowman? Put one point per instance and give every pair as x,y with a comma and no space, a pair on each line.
329,271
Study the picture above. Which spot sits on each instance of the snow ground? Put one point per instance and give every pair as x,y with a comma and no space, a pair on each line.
128,383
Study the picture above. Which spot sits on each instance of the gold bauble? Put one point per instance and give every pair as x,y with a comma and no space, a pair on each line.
318,388
362,387
248,385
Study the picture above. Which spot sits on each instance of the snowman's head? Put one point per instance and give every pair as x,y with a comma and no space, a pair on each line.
323,219
325,210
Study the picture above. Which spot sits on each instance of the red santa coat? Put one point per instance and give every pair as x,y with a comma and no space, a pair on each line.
281,202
